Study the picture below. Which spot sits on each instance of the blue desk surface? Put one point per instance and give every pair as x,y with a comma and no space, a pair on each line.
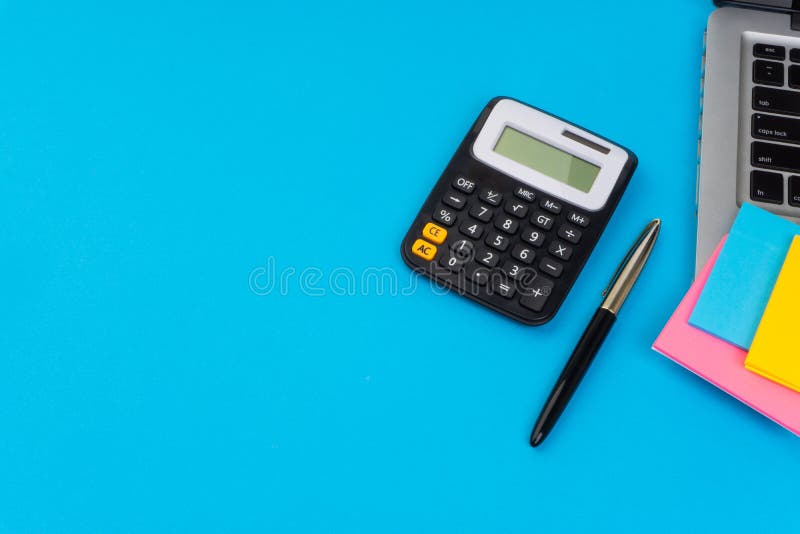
159,161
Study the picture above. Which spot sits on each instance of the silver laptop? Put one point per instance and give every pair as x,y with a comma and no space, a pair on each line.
749,147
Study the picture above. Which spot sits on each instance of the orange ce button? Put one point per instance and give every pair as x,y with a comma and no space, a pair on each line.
434,233
423,249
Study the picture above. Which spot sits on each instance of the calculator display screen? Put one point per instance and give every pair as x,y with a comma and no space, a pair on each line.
546,159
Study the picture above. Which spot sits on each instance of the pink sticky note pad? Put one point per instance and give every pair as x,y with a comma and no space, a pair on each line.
721,363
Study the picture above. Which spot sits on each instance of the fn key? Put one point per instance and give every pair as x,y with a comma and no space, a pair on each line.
766,187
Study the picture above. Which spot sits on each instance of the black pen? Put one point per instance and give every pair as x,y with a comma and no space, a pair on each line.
594,335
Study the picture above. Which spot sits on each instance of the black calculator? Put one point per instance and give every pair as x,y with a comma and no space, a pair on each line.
518,210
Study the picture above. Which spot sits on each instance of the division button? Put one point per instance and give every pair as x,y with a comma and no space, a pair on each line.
569,233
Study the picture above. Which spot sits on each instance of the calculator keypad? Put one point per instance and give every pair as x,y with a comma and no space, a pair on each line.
506,244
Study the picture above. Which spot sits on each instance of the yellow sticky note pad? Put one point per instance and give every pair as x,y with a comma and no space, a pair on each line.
775,352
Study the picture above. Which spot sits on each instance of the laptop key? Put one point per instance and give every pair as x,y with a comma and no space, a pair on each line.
794,76
768,72
779,157
776,100
766,187
784,129
794,190
769,51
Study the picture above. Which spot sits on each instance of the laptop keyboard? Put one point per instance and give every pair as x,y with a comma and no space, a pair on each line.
775,125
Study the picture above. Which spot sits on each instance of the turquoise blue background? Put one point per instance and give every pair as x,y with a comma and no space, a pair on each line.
155,155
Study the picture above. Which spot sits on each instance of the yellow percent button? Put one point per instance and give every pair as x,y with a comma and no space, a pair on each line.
423,249
434,233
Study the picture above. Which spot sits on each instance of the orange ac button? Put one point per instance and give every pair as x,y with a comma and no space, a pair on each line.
423,249
437,234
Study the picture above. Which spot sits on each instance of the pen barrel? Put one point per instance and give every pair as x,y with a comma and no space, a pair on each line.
579,362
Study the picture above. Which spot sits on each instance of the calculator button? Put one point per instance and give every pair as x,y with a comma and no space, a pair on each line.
769,51
482,213
472,229
766,187
542,220
463,249
455,200
488,258
516,208
445,216
478,274
551,205
767,72
491,196
576,218
523,253
495,240
464,184
560,250
502,287
551,267
534,237
569,233
794,76
519,272
794,190
524,193
423,249
507,225
451,262
536,294
434,233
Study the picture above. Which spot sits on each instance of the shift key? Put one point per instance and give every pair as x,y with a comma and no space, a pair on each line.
770,156
776,100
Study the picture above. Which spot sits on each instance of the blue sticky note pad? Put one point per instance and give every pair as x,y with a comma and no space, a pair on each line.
733,301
